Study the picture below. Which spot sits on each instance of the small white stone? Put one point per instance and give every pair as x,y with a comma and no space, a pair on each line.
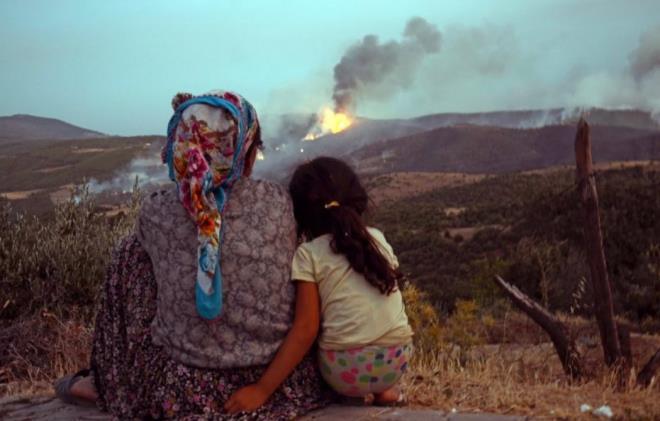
604,411
585,408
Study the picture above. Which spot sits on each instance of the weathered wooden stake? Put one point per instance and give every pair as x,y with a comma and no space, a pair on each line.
649,371
565,347
603,305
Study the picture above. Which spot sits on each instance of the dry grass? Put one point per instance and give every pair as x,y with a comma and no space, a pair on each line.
50,272
451,211
505,379
38,350
468,233
48,170
94,150
400,185
63,194
499,385
479,364
509,378
648,165
19,195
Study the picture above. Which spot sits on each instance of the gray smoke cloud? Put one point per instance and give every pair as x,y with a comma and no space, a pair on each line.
490,67
147,168
645,59
368,64
636,86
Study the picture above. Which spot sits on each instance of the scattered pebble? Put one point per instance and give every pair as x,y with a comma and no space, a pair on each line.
603,411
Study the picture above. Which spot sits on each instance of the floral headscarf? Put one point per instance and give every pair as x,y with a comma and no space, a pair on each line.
207,141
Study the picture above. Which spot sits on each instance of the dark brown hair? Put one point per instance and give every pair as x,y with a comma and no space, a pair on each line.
314,188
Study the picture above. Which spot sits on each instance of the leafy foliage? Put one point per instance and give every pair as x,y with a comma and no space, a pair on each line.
528,228
57,262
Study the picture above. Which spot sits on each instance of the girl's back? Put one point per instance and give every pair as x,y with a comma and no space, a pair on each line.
355,313
365,340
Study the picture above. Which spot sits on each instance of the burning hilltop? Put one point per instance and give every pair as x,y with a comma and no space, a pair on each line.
329,122
369,65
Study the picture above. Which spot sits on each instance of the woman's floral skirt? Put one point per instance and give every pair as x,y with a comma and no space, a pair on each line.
137,379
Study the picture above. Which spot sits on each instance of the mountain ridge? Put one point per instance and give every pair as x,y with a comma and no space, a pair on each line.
28,127
492,150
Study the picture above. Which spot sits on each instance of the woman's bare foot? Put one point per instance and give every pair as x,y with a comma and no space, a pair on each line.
389,397
84,389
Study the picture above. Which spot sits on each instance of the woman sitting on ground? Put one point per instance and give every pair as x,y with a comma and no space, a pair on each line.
198,300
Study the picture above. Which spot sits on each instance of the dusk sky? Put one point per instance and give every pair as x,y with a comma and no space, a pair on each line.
113,66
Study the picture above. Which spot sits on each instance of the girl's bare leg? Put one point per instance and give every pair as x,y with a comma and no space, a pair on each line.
389,396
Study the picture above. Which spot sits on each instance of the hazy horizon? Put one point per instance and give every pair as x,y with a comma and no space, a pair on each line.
114,66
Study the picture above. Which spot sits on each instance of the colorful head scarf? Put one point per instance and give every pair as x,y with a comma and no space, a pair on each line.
207,142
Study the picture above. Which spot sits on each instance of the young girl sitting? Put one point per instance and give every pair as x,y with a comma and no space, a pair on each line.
348,283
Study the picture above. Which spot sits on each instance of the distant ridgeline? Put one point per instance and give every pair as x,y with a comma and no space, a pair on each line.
493,142
42,158
27,127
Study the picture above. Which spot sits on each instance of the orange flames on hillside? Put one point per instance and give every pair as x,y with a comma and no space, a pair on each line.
329,122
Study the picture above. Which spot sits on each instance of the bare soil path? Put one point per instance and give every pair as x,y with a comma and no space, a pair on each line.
50,408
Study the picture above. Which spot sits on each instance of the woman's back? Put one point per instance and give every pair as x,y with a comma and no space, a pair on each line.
176,335
258,245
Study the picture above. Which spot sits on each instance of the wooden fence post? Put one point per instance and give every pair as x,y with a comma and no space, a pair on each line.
603,306
649,371
564,345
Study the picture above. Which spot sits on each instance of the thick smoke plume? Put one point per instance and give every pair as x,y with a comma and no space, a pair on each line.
645,59
368,64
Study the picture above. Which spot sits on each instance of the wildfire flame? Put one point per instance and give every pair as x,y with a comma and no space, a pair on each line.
329,122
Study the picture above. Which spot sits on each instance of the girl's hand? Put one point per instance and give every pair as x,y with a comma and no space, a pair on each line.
248,399
296,344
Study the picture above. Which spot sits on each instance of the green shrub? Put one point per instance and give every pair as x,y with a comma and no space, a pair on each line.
424,320
529,229
465,327
57,262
